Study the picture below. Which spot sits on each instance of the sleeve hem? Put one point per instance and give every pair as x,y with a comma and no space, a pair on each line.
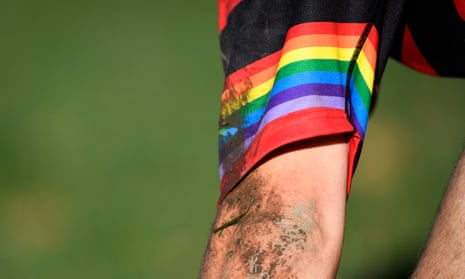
294,127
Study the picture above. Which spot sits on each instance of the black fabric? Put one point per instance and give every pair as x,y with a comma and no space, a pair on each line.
439,33
257,28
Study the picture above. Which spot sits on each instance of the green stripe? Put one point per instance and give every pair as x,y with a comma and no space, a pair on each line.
312,65
362,87
328,65
308,66
254,105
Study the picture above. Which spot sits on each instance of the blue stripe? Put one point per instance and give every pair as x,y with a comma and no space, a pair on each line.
335,78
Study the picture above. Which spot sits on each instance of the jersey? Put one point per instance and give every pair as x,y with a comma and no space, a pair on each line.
301,69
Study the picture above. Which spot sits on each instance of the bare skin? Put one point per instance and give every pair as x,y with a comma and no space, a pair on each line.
286,218
444,254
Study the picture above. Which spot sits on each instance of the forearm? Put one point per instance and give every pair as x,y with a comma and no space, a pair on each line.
444,254
285,220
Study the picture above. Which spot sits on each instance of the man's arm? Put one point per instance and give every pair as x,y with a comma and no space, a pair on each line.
286,218
444,254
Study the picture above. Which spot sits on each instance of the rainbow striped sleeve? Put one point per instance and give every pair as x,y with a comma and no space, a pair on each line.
319,83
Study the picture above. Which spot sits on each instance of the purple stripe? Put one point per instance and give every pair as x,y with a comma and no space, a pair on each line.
251,130
302,103
308,101
293,105
276,112
221,170
322,89
227,155
251,136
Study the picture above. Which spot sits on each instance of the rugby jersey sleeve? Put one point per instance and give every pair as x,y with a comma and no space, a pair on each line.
296,70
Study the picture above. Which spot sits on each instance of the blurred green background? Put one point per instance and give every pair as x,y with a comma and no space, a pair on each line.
108,116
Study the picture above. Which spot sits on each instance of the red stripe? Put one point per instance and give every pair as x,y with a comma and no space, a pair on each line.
412,57
354,147
224,9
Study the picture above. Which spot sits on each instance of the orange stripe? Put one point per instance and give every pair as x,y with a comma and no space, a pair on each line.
321,40
351,29
234,91
253,69
340,41
331,40
370,52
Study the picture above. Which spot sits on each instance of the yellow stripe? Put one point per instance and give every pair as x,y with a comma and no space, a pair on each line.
253,94
366,70
260,90
306,53
334,53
